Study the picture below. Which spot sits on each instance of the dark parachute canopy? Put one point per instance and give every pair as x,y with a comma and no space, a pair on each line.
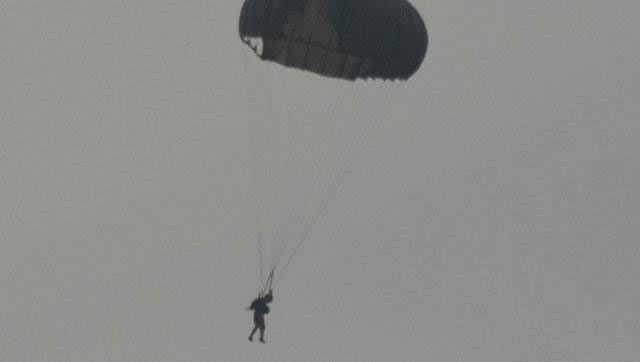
306,130
347,39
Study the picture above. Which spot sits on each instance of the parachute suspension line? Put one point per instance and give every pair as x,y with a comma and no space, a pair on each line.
330,193
281,159
284,169
268,284
264,107
251,120
304,216
268,134
295,165
274,170
284,123
300,124
315,168
263,127
298,215
337,180
270,175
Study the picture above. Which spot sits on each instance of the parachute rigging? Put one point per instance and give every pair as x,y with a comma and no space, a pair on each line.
329,70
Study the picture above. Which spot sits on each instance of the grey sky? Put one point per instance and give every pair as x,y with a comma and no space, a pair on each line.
494,216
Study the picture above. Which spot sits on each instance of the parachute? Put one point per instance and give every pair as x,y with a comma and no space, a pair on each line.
320,76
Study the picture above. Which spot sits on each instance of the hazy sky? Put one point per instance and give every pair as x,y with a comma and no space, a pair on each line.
494,216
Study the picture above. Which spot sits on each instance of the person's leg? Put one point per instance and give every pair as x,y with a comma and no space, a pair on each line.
252,332
262,334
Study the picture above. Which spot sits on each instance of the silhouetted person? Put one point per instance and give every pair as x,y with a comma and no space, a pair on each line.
260,308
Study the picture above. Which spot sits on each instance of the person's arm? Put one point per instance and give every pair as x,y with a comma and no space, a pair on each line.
252,306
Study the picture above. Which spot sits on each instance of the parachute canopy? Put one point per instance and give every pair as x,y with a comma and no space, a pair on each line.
306,130
347,39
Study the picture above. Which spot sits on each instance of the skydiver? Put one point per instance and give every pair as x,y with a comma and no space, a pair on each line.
260,308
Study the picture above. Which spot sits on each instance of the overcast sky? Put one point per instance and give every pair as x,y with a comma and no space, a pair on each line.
494,216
